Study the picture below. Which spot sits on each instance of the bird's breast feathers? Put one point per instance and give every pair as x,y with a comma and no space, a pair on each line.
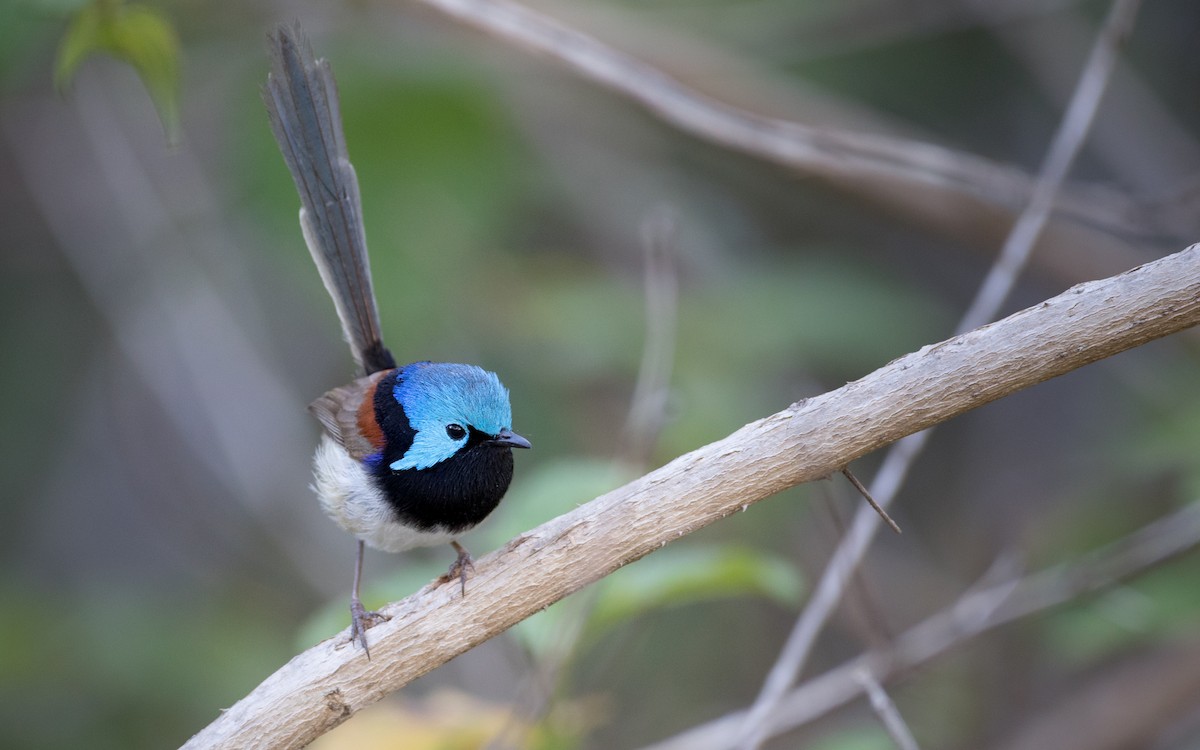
352,497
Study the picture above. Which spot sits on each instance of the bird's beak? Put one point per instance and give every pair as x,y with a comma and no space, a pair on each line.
510,439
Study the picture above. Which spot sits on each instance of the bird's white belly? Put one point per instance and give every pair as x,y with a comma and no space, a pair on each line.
352,500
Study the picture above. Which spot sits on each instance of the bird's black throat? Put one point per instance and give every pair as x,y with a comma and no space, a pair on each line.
452,495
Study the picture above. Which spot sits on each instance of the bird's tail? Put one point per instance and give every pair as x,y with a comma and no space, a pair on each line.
302,103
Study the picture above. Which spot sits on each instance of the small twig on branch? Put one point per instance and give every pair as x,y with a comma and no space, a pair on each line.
864,612
994,290
325,685
978,611
862,490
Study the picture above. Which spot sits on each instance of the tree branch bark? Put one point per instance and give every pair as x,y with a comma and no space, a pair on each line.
322,687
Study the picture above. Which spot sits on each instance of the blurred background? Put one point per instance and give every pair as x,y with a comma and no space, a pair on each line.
163,329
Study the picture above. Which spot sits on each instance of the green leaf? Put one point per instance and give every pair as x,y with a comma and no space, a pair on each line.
136,34
686,575
81,38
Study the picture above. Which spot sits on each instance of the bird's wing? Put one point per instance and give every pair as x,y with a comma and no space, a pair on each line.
302,104
348,415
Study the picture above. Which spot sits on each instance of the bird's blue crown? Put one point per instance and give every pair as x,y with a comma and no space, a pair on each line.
435,395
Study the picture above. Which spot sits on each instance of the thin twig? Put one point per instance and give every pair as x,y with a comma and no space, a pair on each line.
867,615
995,289
980,609
862,490
648,409
886,710
1140,141
1068,140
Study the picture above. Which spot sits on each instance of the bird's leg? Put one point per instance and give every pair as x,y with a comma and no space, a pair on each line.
459,568
360,618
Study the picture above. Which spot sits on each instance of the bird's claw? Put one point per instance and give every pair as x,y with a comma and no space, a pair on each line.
460,566
360,620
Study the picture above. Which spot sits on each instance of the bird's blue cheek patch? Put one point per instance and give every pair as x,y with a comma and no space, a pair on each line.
431,445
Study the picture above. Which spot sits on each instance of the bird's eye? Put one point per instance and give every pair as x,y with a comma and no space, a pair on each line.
456,431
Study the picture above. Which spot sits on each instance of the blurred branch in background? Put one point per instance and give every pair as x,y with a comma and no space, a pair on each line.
1139,139
976,612
886,709
992,293
139,255
951,190
643,425
162,325
652,389
324,686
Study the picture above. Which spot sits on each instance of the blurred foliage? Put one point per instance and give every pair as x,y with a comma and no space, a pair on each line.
855,738
143,591
690,575
1167,432
1158,607
137,34
454,720
122,670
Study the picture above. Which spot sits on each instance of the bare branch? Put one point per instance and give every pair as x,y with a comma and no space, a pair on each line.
1068,139
973,614
918,179
322,687
996,286
886,710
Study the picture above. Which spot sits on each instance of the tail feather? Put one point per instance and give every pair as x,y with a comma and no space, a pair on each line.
302,105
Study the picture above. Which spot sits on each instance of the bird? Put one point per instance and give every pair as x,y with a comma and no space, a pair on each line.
410,455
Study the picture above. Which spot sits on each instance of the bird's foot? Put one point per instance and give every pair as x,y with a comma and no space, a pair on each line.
360,620
460,566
